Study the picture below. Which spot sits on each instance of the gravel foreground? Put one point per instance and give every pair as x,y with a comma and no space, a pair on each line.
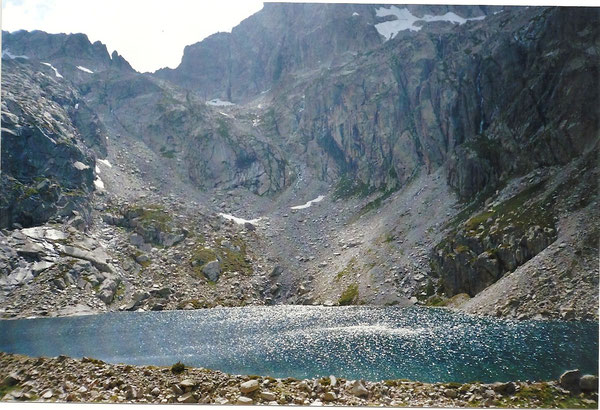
63,379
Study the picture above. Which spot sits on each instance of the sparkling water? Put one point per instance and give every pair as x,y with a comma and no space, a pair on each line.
372,343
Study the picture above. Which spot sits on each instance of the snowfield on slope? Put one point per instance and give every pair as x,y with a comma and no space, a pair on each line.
55,70
85,70
405,20
239,221
309,203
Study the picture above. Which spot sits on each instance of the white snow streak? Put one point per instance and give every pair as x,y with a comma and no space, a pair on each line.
55,70
7,54
237,220
309,203
104,162
405,20
85,70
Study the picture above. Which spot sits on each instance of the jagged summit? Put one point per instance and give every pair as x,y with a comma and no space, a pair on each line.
287,38
66,52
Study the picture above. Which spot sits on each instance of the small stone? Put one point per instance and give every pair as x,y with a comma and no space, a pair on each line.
332,381
358,389
47,394
317,403
187,384
451,393
187,398
177,390
268,396
329,396
245,401
588,383
156,391
249,386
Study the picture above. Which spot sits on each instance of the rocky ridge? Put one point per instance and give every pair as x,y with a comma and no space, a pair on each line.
63,379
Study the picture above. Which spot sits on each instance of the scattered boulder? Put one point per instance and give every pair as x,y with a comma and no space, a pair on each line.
187,398
212,270
269,396
588,383
244,401
358,389
505,388
329,396
11,380
570,380
249,386
277,270
187,384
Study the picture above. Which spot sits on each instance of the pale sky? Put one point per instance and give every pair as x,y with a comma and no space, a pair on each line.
151,34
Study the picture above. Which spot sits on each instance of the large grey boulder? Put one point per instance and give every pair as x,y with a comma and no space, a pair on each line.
570,380
588,383
212,270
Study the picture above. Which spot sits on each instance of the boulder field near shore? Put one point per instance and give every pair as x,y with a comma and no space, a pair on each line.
64,379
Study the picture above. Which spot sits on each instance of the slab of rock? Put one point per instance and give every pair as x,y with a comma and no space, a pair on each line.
249,386
212,270
329,396
269,396
187,384
588,383
187,398
358,389
244,401
570,380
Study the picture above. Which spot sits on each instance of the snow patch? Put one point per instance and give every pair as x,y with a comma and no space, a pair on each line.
97,169
85,70
405,20
219,103
104,162
80,165
7,54
355,14
309,203
256,122
55,70
239,221
99,184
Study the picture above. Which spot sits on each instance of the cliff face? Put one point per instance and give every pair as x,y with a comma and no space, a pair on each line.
487,107
50,139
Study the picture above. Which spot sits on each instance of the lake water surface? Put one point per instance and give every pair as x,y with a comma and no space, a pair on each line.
372,343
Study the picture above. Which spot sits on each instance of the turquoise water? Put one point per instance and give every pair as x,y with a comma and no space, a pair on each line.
372,343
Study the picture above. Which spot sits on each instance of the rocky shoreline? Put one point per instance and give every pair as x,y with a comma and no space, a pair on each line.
64,379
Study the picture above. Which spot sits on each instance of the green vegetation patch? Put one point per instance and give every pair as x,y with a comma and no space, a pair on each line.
348,187
350,267
545,396
167,153
349,295
231,260
178,368
152,215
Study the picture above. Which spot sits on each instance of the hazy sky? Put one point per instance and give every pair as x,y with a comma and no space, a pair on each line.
151,34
